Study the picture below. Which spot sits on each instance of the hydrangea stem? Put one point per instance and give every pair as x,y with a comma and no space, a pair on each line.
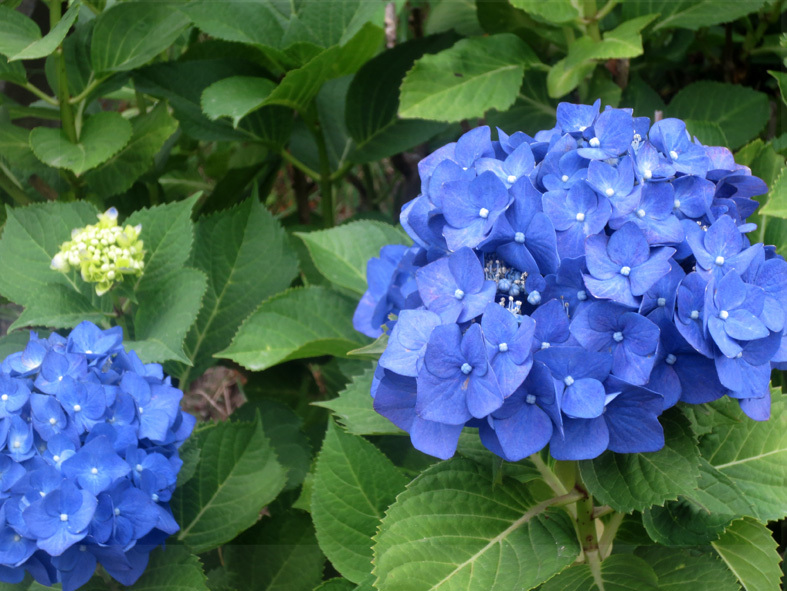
586,530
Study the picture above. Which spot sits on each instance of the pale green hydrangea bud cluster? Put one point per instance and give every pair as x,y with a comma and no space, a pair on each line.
104,252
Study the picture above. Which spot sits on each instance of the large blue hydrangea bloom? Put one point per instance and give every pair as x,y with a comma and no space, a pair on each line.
568,287
89,439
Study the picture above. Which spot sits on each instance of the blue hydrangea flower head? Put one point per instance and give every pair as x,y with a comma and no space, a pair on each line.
575,282
71,495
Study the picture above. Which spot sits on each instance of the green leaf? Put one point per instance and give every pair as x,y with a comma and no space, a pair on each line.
58,306
235,97
741,112
341,253
166,310
781,79
455,528
709,133
372,351
295,324
373,101
624,41
752,454
118,174
15,146
466,80
103,135
456,15
533,110
31,237
690,14
336,584
629,482
749,550
278,554
564,76
776,205
299,87
245,254
172,568
12,71
283,427
622,572
699,517
167,233
256,23
237,475
130,34
555,11
20,38
353,408
682,570
642,98
354,483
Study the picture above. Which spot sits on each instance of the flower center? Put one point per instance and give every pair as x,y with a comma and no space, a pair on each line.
564,178
52,421
459,294
676,204
138,467
640,213
466,368
519,237
502,347
4,397
483,212
568,380
671,359
77,408
594,142
545,345
673,154
63,517
694,314
648,174
618,336
724,314
530,399
511,178
661,302
610,192
534,298
580,217
94,471
719,260
625,271
582,295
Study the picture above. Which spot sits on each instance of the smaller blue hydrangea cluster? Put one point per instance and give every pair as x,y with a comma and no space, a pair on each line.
566,288
89,439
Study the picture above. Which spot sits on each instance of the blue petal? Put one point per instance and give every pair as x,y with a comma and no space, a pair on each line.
435,439
582,439
584,399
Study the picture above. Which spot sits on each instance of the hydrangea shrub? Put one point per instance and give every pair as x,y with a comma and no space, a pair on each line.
567,288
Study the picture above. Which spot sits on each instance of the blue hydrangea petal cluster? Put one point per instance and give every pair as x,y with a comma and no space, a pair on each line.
566,288
89,458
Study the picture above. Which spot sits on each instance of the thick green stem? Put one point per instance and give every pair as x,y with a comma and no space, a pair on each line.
586,532
610,531
66,111
547,475
591,18
300,165
39,93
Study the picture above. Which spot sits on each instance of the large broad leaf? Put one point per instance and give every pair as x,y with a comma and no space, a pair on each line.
565,76
58,306
466,80
278,554
354,484
741,112
131,34
749,550
299,87
373,101
257,23
690,14
455,528
166,310
752,454
103,135
353,408
173,568
296,324
699,517
182,84
682,570
237,475
117,174
235,97
330,23
776,205
245,254
31,237
20,38
622,572
341,253
554,11
629,482
167,233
